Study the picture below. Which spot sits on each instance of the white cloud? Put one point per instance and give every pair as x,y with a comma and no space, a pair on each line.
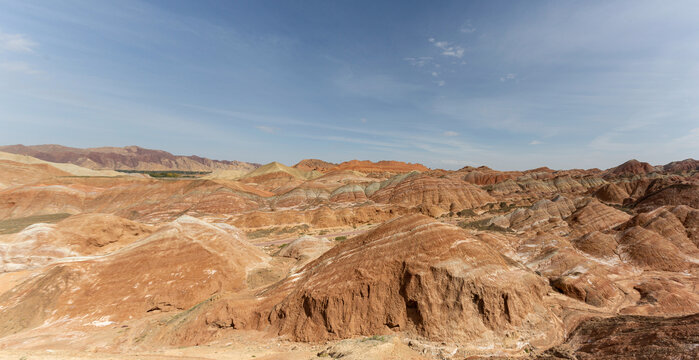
419,61
451,133
467,28
449,49
267,129
440,83
435,74
16,43
363,120
18,67
508,77
535,142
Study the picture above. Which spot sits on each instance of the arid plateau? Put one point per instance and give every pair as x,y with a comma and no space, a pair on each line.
125,253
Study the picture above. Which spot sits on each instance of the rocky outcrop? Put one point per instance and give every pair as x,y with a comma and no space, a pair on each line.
424,190
682,166
631,337
665,296
305,249
597,244
678,194
648,250
630,168
542,211
665,223
611,193
414,275
593,215
486,176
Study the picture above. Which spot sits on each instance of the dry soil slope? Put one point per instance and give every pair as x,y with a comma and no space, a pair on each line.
195,261
14,173
78,235
71,169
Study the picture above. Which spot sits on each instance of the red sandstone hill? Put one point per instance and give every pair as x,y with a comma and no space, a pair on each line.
314,165
684,165
125,158
367,166
631,167
413,275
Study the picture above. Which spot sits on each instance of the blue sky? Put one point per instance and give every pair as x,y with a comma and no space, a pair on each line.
508,84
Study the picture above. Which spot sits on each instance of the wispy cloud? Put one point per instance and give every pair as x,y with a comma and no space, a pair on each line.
450,133
506,114
441,83
267,129
16,42
508,77
379,87
448,49
535,142
467,28
419,61
18,67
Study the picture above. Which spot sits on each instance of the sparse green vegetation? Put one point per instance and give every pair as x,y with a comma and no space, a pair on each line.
185,313
483,225
168,173
11,226
375,338
622,208
278,231
466,213
341,238
164,175
283,245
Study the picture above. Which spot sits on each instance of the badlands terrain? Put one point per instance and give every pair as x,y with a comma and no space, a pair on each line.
121,253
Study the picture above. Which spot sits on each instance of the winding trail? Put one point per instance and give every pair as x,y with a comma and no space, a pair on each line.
330,236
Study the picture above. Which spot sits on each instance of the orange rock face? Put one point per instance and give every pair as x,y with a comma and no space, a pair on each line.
412,274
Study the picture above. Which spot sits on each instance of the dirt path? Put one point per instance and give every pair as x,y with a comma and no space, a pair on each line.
331,236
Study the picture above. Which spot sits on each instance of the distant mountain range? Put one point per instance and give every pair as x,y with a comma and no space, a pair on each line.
126,158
